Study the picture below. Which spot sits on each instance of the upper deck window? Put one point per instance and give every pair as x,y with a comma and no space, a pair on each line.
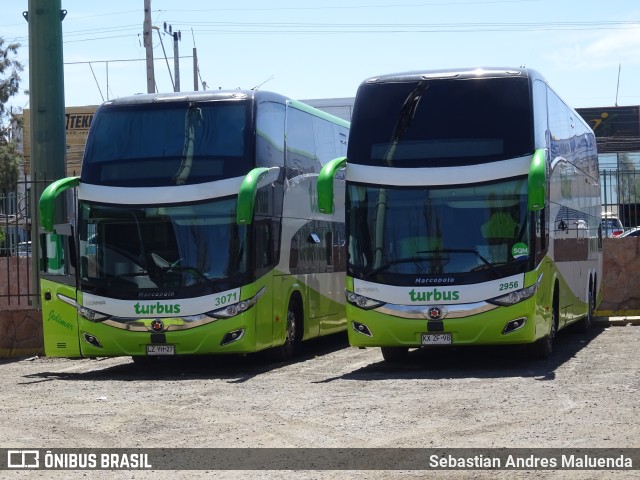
163,144
433,123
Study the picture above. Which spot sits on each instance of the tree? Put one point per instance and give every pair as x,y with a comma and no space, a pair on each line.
10,158
628,180
9,166
10,69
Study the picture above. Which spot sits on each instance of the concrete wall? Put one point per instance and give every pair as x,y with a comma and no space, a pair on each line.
21,333
20,323
621,282
15,275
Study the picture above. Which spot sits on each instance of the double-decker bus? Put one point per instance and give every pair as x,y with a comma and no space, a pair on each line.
197,230
472,212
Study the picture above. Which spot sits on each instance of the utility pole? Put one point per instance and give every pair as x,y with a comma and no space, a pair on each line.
47,119
148,44
177,36
176,59
195,69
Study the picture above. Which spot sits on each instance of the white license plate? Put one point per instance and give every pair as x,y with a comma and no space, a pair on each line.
161,349
436,339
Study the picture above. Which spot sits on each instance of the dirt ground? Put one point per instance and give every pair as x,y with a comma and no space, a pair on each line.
586,395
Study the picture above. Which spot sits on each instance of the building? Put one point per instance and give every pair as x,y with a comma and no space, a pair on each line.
340,107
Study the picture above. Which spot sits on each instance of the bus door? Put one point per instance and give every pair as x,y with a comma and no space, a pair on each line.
58,293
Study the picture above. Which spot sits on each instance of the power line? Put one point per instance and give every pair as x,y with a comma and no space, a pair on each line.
119,60
351,7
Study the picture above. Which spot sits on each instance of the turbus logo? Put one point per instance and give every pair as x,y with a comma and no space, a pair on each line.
158,308
434,295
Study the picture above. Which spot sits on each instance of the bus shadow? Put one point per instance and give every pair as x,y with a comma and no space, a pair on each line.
232,368
478,362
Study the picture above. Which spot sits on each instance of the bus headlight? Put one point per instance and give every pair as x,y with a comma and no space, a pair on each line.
517,296
362,302
92,315
236,308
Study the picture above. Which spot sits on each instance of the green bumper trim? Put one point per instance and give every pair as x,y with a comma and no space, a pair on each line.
537,181
325,183
48,200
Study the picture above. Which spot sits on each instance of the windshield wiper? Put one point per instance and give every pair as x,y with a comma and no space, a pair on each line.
167,267
465,250
194,271
405,117
391,263
193,118
131,274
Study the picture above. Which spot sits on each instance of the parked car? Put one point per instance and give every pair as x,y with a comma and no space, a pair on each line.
611,226
632,232
24,249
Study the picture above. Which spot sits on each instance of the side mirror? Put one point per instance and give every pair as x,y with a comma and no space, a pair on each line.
255,179
537,181
47,204
325,183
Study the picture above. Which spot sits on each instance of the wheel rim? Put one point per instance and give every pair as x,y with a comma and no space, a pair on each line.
290,334
554,320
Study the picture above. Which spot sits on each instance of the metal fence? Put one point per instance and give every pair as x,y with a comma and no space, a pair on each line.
620,190
19,286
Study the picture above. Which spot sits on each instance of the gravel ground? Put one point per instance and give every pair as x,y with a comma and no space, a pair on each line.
586,395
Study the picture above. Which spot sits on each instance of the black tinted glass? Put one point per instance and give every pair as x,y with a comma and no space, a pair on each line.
441,122
168,144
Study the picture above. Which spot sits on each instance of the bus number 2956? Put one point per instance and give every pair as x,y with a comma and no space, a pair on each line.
508,286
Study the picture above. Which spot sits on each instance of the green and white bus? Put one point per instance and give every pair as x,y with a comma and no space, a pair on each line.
197,230
472,212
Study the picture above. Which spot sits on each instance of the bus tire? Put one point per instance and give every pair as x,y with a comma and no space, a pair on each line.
394,354
543,348
293,332
584,324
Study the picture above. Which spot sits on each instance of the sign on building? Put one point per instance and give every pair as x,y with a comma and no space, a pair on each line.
77,123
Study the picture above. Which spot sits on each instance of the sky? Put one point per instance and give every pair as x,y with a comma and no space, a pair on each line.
588,50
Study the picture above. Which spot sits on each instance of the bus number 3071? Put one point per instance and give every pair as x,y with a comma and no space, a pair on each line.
224,299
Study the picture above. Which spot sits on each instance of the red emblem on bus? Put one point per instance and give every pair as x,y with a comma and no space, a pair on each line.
157,326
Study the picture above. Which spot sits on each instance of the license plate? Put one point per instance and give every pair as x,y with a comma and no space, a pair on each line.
161,349
436,339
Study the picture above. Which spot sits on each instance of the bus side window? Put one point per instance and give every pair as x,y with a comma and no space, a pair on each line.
328,243
266,245
55,254
270,135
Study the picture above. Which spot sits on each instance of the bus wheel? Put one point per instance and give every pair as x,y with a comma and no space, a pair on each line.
291,337
394,354
543,348
584,324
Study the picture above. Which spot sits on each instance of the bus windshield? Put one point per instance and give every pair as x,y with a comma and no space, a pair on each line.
172,143
193,248
432,123
402,236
